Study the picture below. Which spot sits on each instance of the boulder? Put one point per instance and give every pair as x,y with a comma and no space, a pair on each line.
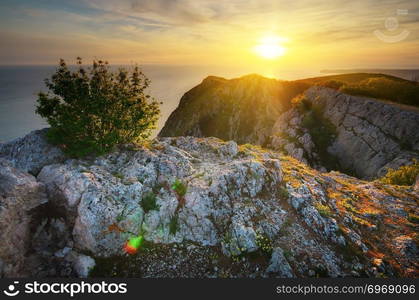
20,194
31,152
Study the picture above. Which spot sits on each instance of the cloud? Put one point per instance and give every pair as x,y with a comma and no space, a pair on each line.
202,30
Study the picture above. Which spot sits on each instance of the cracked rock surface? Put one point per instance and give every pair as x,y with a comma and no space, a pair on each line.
245,212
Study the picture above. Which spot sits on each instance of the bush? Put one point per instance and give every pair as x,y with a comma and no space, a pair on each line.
405,175
91,110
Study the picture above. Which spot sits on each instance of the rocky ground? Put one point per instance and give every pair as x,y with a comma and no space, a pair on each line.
206,208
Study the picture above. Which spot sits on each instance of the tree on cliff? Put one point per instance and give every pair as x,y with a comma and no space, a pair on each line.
91,110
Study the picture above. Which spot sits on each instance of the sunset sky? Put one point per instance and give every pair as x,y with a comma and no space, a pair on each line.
306,33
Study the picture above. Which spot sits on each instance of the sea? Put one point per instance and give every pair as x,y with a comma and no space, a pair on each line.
19,86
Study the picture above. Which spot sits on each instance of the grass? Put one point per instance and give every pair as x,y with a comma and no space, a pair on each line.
179,187
149,202
378,86
174,224
323,210
412,218
405,175
118,175
283,192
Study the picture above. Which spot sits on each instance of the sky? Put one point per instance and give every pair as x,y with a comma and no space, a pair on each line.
310,33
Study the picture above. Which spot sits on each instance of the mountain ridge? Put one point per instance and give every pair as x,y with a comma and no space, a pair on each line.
247,109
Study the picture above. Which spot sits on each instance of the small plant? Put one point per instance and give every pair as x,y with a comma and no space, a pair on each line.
284,228
283,192
118,175
412,218
287,254
174,224
323,210
179,187
405,175
148,202
264,244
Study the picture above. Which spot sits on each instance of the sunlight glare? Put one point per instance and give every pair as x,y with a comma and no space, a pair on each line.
270,47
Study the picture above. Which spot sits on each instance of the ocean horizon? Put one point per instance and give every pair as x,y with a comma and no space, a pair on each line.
19,86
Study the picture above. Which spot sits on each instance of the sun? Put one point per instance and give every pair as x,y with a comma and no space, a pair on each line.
270,47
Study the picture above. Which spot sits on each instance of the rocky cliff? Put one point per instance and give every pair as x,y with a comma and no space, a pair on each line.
206,208
242,109
325,128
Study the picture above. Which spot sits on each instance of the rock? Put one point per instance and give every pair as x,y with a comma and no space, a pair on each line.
279,265
217,94
82,264
229,203
416,185
20,194
31,152
372,136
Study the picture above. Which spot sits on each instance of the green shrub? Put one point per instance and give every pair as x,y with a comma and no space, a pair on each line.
264,243
405,175
91,110
323,132
148,202
179,187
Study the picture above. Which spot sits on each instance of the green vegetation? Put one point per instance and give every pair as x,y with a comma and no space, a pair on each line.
118,175
412,218
174,224
179,187
264,244
283,192
405,175
377,86
92,110
322,131
148,202
323,210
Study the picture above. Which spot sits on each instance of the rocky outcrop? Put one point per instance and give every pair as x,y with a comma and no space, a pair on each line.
242,109
356,135
20,195
31,152
370,136
209,208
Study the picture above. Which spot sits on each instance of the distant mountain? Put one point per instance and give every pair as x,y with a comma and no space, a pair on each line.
326,122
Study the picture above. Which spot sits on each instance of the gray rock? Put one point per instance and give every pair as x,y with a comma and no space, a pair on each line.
20,193
31,152
82,264
279,265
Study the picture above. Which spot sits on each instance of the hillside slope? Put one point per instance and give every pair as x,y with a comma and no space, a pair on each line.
358,135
